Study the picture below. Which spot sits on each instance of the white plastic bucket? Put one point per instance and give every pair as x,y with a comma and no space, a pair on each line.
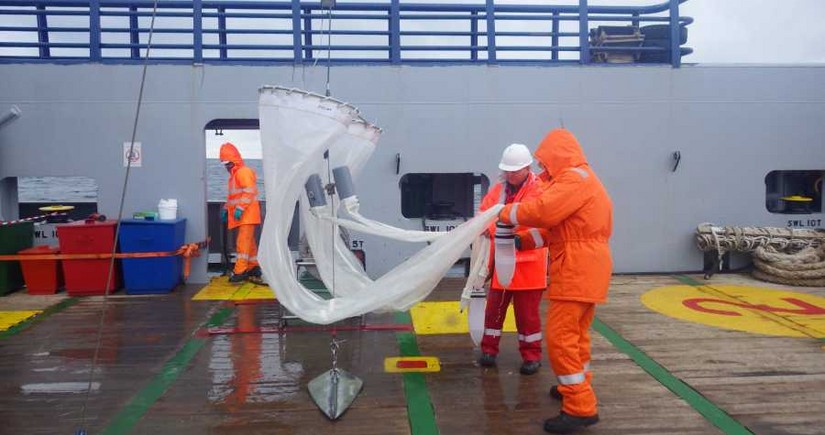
168,209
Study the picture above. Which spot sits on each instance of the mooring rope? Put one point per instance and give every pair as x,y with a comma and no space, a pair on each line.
788,256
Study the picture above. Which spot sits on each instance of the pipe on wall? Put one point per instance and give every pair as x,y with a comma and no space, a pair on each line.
10,116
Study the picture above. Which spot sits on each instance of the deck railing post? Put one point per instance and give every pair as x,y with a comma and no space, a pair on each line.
134,34
395,31
197,30
223,52
296,31
94,30
584,44
473,36
43,32
307,33
675,35
554,55
491,31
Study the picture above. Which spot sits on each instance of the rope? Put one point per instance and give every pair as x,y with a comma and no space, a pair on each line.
746,239
82,429
787,256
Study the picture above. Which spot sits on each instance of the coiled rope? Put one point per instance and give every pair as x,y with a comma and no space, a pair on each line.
780,255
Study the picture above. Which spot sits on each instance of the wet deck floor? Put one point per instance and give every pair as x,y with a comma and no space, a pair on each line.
160,370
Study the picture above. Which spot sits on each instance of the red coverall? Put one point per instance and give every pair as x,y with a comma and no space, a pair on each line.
528,283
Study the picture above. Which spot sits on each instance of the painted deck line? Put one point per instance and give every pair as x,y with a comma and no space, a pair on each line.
771,317
56,308
712,413
125,420
419,406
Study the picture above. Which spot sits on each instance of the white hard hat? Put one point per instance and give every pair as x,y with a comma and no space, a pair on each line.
515,157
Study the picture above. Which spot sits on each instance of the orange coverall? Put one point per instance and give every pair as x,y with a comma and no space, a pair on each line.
243,195
576,215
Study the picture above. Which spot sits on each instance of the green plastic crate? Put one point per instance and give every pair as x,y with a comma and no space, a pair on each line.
13,238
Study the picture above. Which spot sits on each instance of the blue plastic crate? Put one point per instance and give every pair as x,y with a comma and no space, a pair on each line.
152,275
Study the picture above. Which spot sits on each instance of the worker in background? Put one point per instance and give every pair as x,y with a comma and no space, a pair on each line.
241,211
576,216
529,276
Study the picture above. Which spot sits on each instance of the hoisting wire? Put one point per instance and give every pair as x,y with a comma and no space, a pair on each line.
329,41
82,430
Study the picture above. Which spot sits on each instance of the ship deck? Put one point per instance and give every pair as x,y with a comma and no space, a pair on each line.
171,364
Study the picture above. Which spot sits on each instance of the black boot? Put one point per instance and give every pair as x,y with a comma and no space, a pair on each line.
566,423
487,360
554,392
529,367
238,277
255,271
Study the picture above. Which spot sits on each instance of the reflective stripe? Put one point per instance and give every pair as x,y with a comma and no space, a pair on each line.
537,237
242,190
581,172
575,378
493,332
587,366
242,256
513,212
530,338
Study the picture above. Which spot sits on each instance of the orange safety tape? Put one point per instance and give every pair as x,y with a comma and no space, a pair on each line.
188,251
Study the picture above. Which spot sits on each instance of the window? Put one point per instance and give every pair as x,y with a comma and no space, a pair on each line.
441,196
794,192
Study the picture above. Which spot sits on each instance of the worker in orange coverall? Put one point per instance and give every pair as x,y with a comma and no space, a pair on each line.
529,275
241,211
575,214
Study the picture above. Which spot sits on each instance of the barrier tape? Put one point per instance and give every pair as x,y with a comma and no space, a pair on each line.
188,251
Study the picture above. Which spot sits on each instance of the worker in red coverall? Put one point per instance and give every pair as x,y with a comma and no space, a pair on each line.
530,272
575,215
241,211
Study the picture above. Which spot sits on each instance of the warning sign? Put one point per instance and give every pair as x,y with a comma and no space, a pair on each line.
132,154
742,308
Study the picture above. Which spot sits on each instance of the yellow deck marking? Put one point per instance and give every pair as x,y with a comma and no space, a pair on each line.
742,308
11,318
408,364
220,289
430,318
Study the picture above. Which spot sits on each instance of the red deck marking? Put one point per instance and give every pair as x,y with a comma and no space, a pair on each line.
805,309
411,364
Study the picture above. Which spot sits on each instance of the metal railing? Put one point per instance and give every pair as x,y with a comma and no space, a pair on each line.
277,32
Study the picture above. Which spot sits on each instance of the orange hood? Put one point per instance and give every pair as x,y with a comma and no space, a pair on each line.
560,150
230,154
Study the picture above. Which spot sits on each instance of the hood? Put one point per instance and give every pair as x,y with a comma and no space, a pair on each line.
230,154
560,150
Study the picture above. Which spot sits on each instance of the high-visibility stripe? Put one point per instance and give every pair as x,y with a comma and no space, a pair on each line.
587,367
537,237
581,172
513,213
493,332
530,337
237,191
575,378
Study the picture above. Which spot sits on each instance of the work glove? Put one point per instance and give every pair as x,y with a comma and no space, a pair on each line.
224,215
238,213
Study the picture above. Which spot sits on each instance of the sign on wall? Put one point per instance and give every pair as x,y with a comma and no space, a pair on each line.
132,154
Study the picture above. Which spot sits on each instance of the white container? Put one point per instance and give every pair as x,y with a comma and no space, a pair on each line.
168,209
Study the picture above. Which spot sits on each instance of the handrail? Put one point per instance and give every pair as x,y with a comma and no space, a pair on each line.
295,32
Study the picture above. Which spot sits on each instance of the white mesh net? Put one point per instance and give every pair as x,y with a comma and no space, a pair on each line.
297,129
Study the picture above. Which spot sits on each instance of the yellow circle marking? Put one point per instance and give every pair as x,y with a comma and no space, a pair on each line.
740,308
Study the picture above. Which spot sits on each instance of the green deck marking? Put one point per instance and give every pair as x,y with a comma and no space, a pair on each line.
125,420
712,413
56,308
419,406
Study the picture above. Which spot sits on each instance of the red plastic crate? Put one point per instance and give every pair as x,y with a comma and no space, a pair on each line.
88,277
42,277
